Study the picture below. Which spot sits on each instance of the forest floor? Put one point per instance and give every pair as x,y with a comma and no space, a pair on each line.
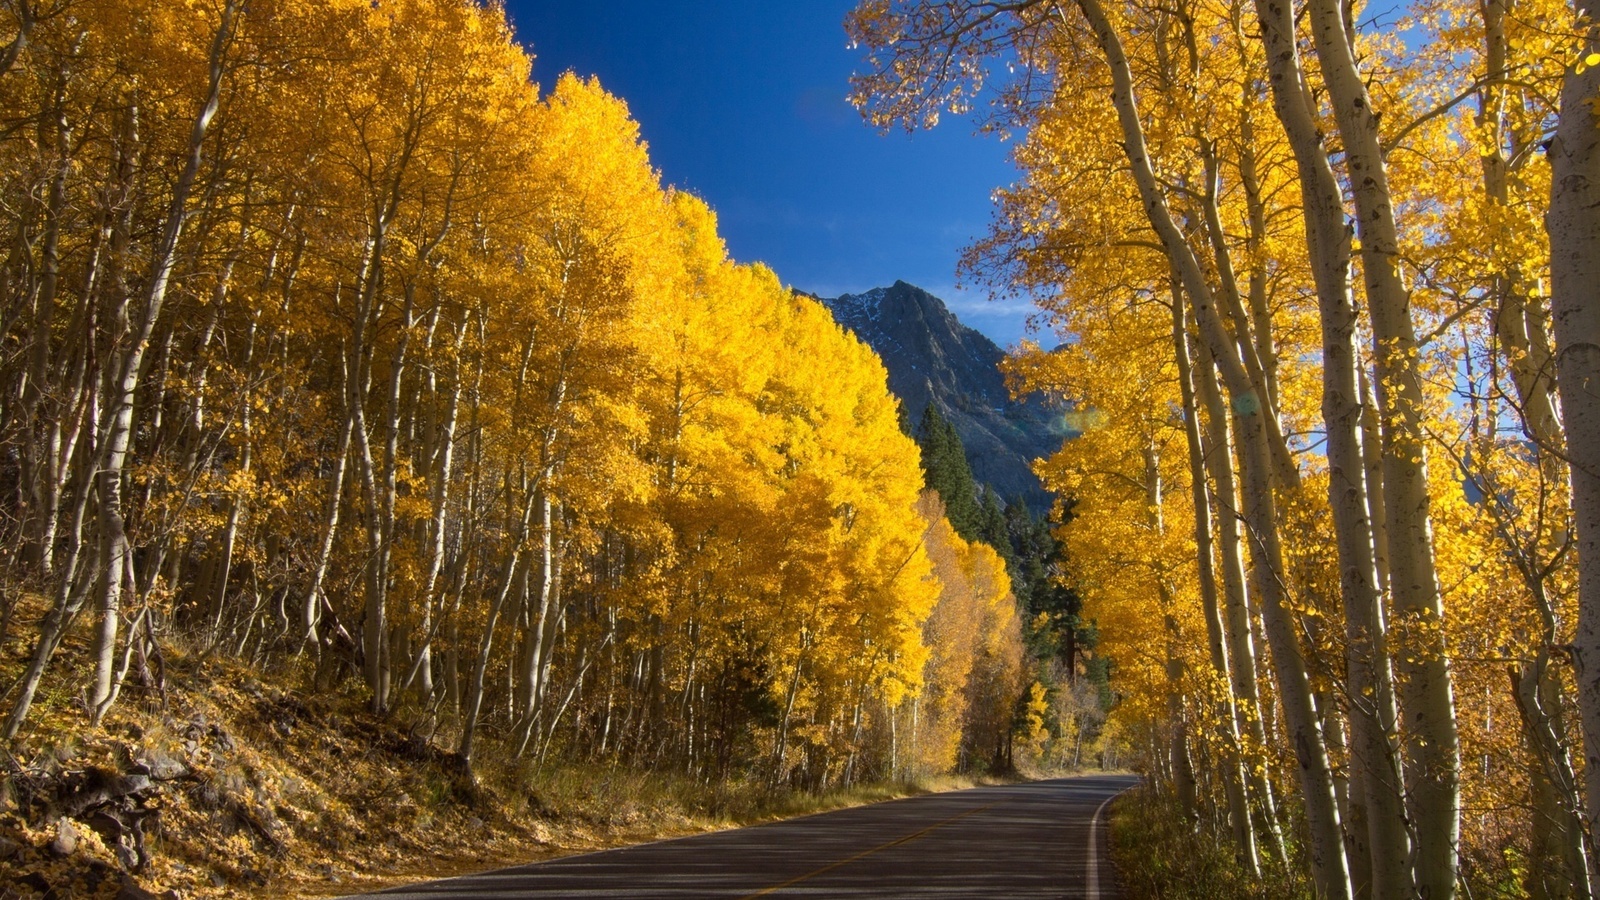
229,784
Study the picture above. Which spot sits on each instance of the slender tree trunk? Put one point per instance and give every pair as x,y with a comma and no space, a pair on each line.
27,16
443,474
1371,692
1522,333
115,550
40,458
1249,712
1519,324
230,537
312,607
480,667
1259,464
533,650
1432,755
780,748
381,669
1233,774
357,375
1177,745
377,496
1555,787
1257,236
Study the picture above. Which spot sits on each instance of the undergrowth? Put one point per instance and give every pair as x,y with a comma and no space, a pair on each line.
1158,853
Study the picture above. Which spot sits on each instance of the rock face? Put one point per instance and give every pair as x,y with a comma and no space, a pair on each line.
933,358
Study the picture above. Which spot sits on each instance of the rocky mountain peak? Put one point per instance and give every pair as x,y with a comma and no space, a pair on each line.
933,358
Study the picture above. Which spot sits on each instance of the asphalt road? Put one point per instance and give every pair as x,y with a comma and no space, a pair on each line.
1043,840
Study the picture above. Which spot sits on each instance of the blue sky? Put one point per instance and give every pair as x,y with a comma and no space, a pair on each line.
743,103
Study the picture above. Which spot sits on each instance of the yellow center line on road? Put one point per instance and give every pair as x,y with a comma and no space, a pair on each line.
865,853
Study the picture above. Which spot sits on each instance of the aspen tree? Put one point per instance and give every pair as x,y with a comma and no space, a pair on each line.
1327,850
1328,247
1237,778
1432,755
1574,227
1466,226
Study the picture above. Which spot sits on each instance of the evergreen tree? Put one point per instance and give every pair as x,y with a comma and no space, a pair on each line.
992,529
945,470
1038,575
1031,544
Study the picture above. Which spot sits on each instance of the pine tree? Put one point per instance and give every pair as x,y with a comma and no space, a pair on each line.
945,470
992,528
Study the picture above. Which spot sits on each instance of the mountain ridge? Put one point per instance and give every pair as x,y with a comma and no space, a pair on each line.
932,357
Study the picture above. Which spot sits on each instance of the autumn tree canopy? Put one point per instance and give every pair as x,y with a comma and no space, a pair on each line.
334,343
1318,275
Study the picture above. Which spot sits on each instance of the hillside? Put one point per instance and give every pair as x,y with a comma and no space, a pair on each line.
242,783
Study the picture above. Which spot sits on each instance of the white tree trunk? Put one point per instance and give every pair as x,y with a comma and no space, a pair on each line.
1432,755
1574,226
1233,774
1258,465
1371,686
1240,630
115,551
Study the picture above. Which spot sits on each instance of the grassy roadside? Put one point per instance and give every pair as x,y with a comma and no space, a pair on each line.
1159,855
238,786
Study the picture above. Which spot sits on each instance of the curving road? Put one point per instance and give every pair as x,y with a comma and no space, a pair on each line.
1044,840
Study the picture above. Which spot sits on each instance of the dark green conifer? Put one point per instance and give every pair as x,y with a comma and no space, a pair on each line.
945,470
992,528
